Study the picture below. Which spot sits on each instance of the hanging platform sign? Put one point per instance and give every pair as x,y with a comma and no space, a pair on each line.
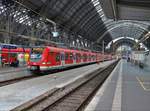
7,46
55,34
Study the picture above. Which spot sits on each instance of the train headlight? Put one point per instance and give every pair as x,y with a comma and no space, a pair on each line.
44,63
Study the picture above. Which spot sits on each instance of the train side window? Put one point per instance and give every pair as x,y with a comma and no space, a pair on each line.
89,57
79,56
93,57
66,56
13,54
84,56
57,57
71,56
74,56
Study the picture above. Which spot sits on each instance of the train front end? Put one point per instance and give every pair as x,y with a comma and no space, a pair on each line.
36,59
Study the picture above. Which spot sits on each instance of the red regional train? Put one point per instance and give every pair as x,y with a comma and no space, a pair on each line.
9,56
50,58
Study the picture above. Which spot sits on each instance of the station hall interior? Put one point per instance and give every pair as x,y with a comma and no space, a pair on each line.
74,55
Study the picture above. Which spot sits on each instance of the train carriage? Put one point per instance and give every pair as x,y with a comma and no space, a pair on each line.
10,56
49,58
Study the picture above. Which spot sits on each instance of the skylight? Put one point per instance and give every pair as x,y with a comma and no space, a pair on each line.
21,16
98,7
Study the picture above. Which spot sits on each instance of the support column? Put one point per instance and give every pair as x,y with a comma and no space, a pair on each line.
7,38
32,40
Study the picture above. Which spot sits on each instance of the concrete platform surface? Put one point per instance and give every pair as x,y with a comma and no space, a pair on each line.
11,69
16,94
13,73
126,89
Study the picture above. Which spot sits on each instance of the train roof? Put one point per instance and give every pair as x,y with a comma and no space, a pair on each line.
57,49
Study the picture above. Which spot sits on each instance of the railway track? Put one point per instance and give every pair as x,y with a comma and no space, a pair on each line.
73,97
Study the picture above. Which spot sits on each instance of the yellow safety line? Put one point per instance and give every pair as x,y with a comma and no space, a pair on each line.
141,83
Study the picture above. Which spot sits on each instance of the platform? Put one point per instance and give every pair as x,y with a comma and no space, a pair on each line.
126,89
11,69
13,73
16,94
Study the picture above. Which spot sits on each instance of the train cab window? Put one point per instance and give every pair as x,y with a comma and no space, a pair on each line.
36,54
51,53
66,56
57,57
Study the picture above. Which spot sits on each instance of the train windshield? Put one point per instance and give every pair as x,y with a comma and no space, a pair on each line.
36,54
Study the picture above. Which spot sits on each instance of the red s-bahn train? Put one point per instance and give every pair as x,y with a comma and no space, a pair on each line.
49,58
9,54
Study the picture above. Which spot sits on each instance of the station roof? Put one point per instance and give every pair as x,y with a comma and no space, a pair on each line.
95,20
123,41
86,17
127,9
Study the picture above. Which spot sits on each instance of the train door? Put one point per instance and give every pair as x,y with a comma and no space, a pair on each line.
74,58
81,59
0,56
62,59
